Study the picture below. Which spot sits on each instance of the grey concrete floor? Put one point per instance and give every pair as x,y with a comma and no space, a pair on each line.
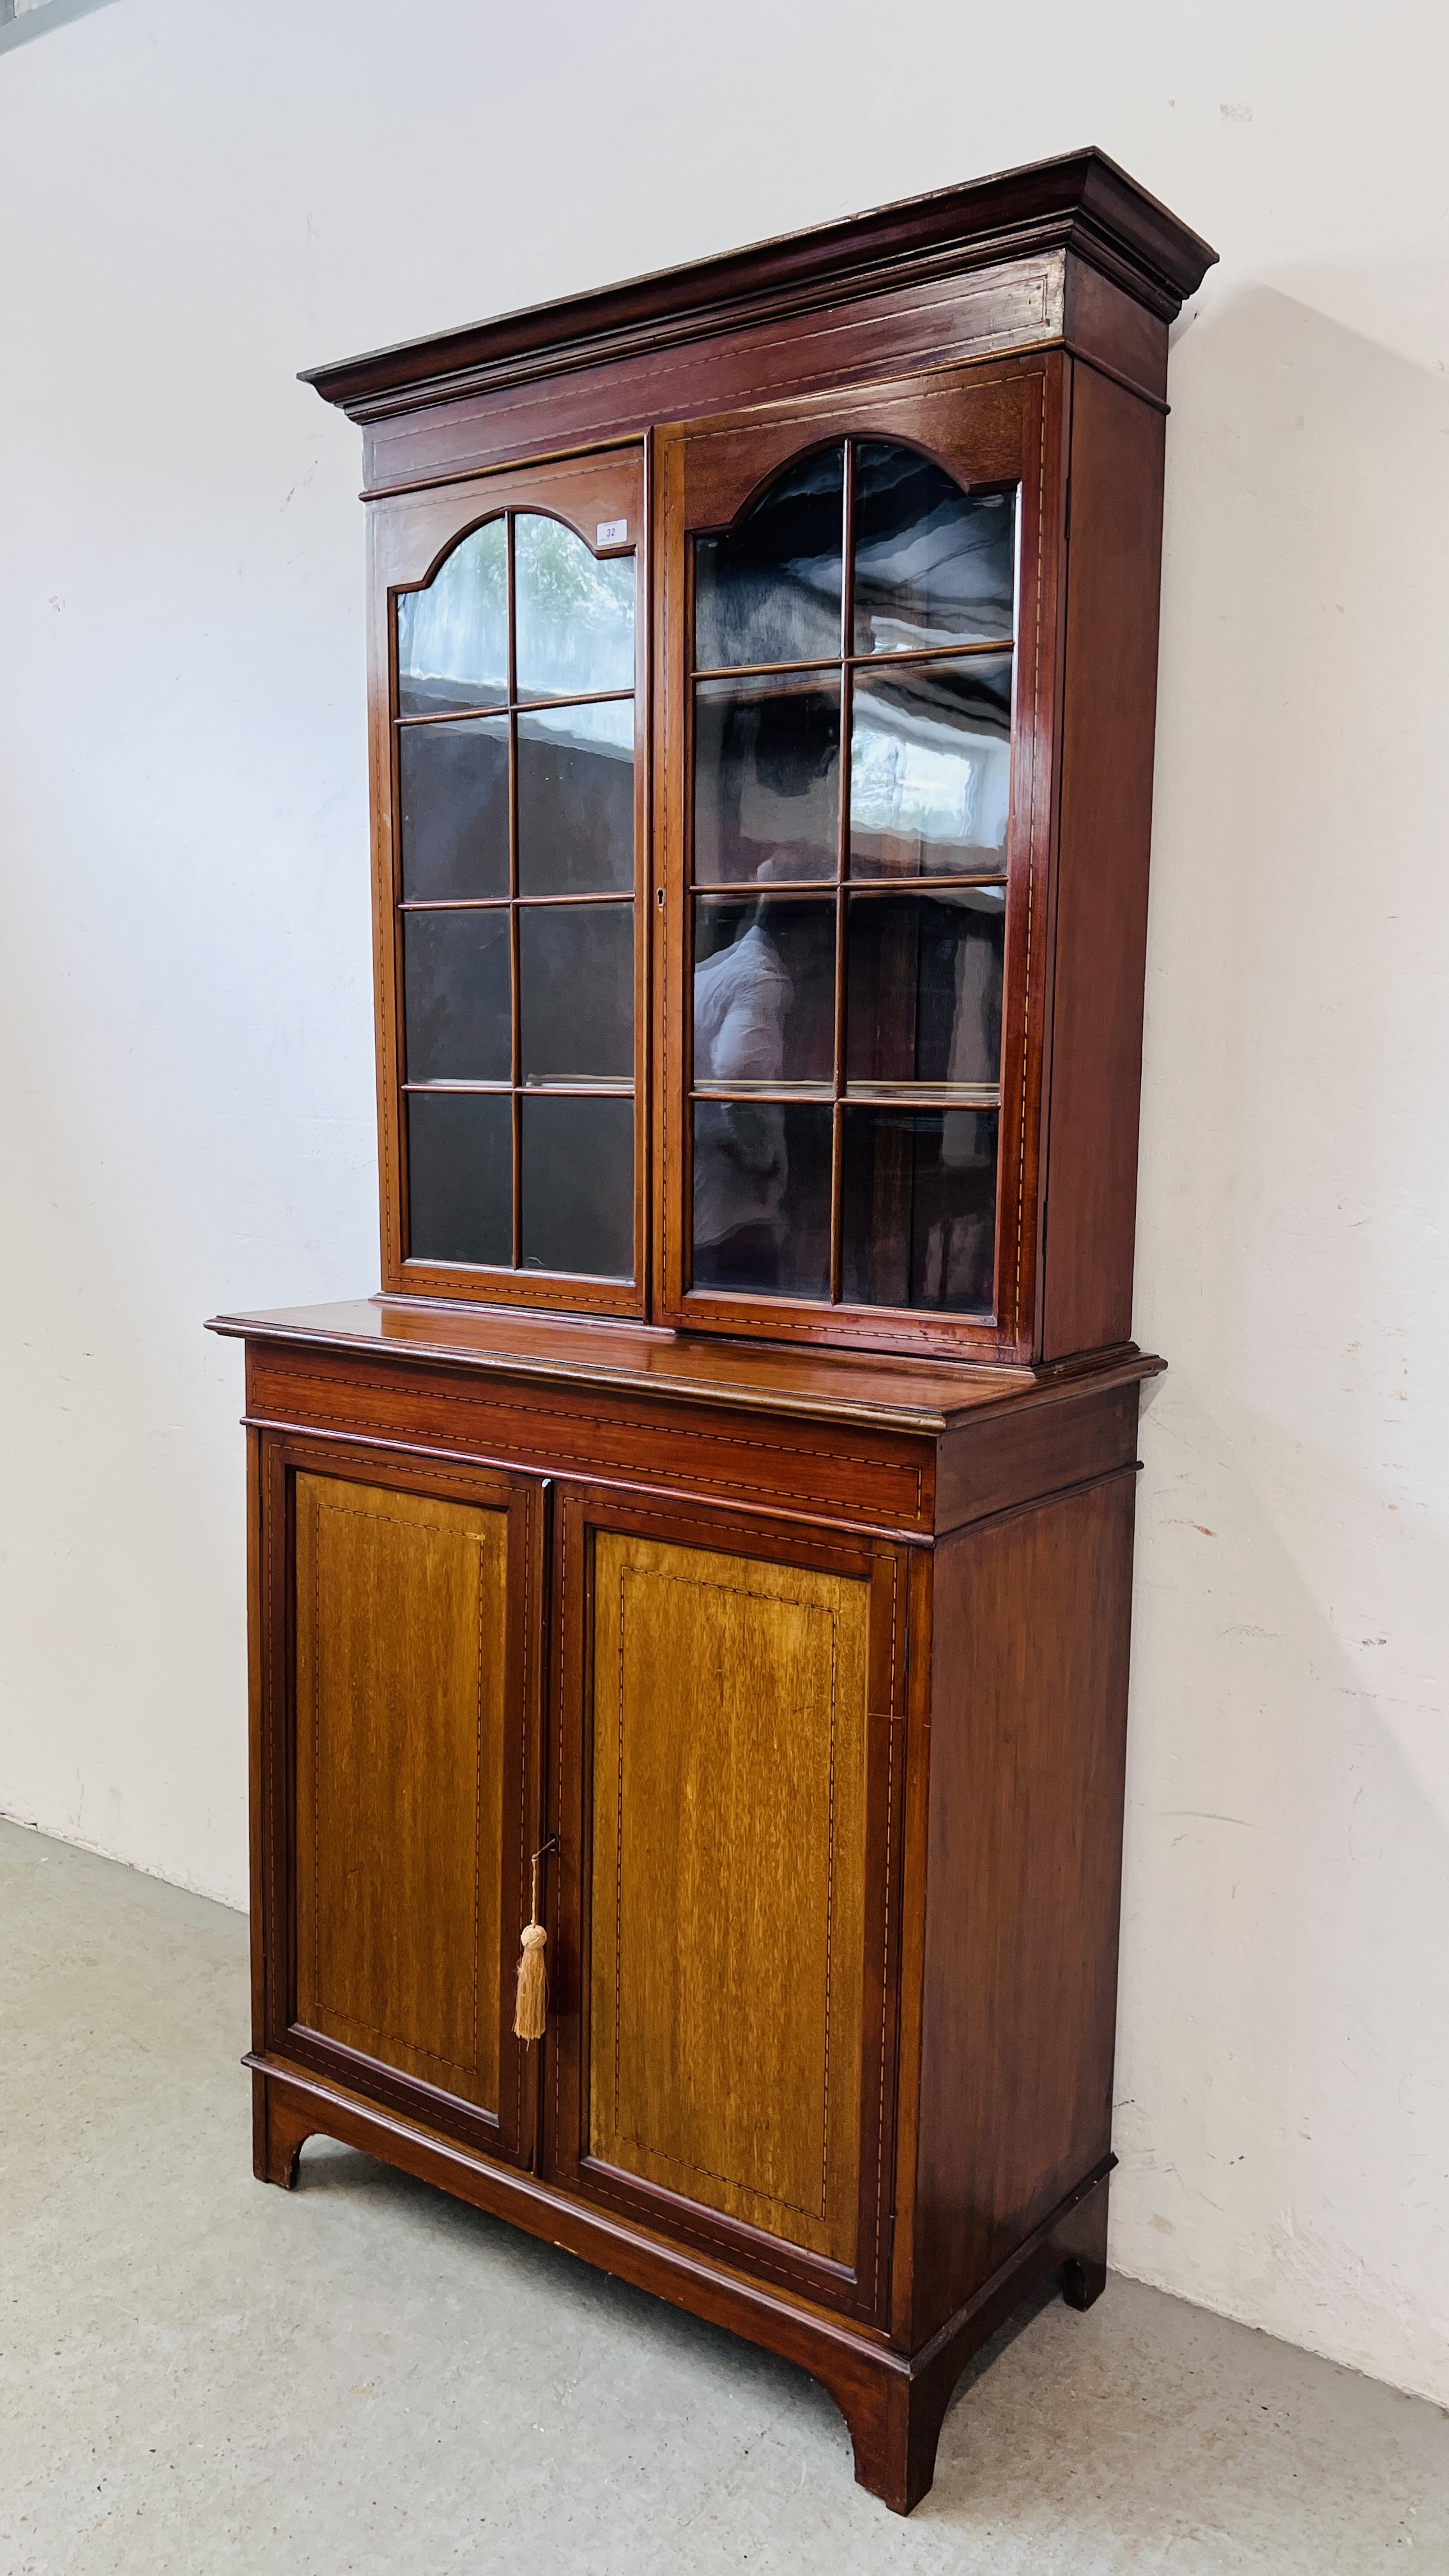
199,2374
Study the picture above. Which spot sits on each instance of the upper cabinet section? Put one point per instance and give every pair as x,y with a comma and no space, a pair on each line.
762,689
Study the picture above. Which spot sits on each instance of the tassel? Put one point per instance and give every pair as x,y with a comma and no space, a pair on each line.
530,2012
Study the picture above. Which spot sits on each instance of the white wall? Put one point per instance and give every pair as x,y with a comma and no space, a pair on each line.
195,200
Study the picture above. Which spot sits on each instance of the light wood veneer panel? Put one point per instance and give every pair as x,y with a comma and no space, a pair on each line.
729,1884
400,1620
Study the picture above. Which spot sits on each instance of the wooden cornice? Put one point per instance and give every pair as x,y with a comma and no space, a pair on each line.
1081,202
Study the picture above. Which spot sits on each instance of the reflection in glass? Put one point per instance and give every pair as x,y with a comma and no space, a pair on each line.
918,1208
766,780
768,590
576,992
454,809
764,991
930,769
923,988
578,1185
573,615
452,638
456,996
933,564
762,1197
576,799
460,1176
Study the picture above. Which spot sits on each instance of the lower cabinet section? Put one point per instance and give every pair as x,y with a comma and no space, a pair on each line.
823,1825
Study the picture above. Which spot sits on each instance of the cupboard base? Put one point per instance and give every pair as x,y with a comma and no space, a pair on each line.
894,2404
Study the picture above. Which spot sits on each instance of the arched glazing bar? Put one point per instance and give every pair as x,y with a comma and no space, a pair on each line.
515,818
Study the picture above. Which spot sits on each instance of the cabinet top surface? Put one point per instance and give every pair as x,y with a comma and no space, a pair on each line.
892,1394
1080,201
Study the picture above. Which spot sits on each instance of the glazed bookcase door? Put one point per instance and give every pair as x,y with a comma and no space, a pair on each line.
507,692
399,1783
729,1794
857,641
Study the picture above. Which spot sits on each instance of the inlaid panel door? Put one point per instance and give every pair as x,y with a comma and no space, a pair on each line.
398,1744
729,1800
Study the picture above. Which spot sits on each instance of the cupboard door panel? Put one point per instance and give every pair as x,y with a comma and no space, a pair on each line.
400,1727
728,1884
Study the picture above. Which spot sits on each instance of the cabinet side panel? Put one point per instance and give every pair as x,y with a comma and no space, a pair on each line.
1109,715
1029,1718
400,1700
1107,325
1012,1458
257,1646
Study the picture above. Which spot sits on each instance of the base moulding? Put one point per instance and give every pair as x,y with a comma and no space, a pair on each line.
894,2403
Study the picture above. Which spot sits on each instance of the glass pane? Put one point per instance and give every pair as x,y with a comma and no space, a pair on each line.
454,809
576,799
762,1197
918,1192
764,991
923,988
578,1186
930,769
460,1177
933,564
452,638
766,780
574,616
769,589
456,996
576,992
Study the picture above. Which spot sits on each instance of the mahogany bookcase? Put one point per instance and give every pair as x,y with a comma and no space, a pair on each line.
716,1538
